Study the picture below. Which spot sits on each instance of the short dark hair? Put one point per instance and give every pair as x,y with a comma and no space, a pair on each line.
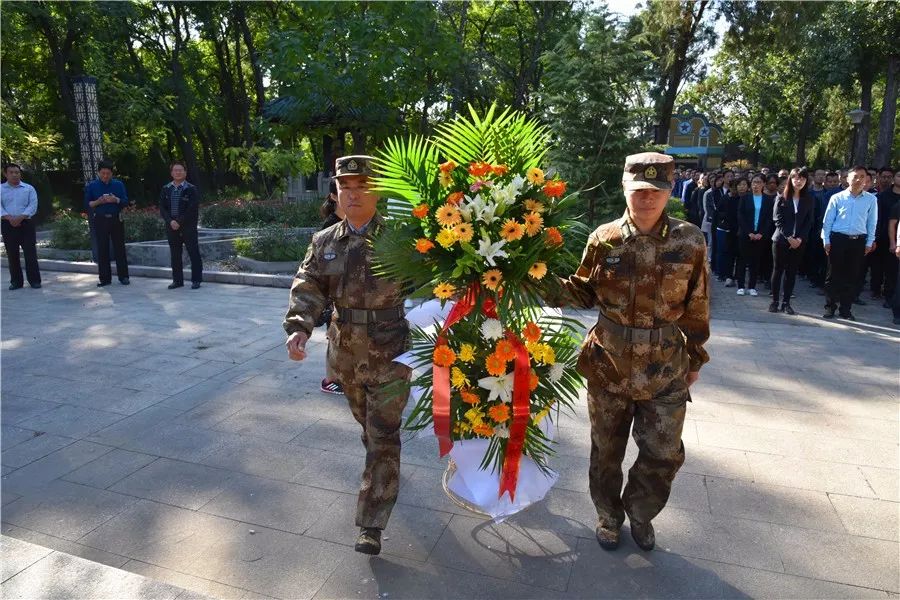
12,164
178,162
859,168
332,187
886,168
105,164
832,174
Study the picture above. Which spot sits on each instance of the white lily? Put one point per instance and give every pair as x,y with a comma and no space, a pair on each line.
504,195
499,387
467,208
491,251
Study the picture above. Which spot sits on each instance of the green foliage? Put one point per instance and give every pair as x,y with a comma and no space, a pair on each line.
675,208
273,244
70,231
144,225
237,214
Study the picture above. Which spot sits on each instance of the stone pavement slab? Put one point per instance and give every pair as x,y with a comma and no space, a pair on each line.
166,435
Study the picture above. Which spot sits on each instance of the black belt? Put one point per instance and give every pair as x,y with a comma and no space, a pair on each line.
849,237
362,316
636,335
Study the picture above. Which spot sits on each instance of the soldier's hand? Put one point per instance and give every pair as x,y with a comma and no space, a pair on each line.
691,378
296,345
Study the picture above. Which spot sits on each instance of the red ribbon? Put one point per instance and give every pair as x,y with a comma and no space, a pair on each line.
521,412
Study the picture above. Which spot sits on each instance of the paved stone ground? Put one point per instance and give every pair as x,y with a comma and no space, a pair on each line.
164,433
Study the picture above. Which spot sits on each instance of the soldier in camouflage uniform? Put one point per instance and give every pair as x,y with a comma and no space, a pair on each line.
647,274
368,331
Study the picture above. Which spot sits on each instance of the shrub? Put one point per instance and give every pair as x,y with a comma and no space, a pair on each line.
674,208
237,213
70,231
273,244
144,225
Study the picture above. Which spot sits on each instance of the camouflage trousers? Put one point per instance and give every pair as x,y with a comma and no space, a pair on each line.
378,409
656,426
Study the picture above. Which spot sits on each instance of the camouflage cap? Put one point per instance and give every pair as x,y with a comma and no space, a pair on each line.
358,164
648,171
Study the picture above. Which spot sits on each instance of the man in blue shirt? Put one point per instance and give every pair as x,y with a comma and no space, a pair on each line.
848,233
104,199
19,204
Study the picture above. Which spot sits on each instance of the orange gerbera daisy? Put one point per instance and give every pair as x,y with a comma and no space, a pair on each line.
464,232
492,278
532,332
512,231
443,290
443,356
469,397
538,270
533,381
496,366
535,176
505,350
479,169
499,413
448,215
535,206
423,245
483,430
420,211
448,166
455,198
554,237
555,188
533,223
499,170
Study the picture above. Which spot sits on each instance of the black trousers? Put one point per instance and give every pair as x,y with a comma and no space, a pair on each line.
883,269
110,228
185,236
22,237
895,300
815,259
845,262
785,262
749,254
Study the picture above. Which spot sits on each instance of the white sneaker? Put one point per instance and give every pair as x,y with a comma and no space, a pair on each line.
740,291
754,293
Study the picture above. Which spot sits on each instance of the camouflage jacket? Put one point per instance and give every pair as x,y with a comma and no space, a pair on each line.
648,281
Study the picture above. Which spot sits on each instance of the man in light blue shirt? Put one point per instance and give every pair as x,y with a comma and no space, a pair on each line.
848,234
19,204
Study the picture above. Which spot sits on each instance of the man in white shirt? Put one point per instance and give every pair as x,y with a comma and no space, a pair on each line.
19,204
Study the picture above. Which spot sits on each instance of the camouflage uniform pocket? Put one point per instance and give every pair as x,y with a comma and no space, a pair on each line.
675,280
334,270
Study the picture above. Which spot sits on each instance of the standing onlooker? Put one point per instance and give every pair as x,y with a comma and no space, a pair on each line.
694,205
814,254
726,234
676,188
104,199
19,203
883,261
754,216
765,261
690,186
793,216
894,232
710,202
848,233
783,175
179,206
332,213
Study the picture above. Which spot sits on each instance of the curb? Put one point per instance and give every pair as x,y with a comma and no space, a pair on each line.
255,279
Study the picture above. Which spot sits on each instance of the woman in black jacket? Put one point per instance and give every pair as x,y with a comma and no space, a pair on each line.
694,205
793,218
710,201
726,234
754,218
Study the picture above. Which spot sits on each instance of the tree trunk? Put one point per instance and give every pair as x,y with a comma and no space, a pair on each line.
459,74
888,114
861,149
241,17
328,155
244,100
359,141
207,159
803,131
226,84
756,142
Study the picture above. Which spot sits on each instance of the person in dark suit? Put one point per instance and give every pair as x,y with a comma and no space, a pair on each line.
754,218
694,205
793,218
179,207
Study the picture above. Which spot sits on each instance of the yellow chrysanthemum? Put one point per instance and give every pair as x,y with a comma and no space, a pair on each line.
464,231
458,378
541,414
535,176
467,353
444,291
448,215
446,238
534,206
474,416
538,270
461,428
445,179
533,223
512,231
542,353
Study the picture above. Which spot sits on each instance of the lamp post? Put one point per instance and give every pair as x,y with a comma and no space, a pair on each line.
90,141
856,117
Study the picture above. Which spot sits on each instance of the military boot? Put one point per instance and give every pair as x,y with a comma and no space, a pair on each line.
607,536
643,535
369,540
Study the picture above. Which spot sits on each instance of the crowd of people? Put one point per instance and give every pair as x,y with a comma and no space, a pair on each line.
835,229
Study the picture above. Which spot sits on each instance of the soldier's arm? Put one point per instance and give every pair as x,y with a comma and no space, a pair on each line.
576,290
694,322
309,293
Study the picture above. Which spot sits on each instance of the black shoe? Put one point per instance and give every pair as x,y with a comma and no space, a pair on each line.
104,283
125,281
607,537
848,317
35,286
643,535
886,304
174,285
773,307
829,313
195,285
860,301
787,308
369,541
15,286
